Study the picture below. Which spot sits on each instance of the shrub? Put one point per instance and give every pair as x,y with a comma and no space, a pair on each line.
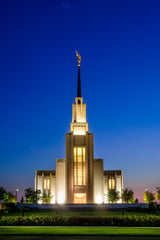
153,207
130,221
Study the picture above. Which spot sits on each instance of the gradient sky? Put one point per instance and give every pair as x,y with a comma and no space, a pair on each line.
119,42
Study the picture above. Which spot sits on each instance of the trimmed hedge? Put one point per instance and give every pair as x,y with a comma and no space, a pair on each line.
130,221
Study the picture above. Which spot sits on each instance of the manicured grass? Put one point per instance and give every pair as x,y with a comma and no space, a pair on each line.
69,214
80,230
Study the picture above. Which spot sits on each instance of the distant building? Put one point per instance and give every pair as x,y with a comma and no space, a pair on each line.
79,178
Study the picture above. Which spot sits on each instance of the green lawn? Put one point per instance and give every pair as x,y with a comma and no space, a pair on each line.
69,214
80,230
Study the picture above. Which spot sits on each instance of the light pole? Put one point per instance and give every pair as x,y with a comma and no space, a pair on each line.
17,190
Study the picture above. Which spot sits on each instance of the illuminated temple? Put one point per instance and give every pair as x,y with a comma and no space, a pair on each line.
79,178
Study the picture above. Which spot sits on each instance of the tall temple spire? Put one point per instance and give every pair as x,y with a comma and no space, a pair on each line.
79,84
79,79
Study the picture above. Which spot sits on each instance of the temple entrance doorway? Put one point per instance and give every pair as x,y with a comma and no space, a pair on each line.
79,198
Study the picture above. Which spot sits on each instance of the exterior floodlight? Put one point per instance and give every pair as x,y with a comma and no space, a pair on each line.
99,199
61,198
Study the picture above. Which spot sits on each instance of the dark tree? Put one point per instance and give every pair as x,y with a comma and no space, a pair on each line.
158,193
22,199
128,195
31,195
113,195
148,197
136,200
2,193
10,198
46,198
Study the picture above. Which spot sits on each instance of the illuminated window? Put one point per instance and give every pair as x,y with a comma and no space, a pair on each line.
79,166
47,184
79,129
111,183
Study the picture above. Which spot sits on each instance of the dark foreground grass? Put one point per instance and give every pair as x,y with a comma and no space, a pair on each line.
28,230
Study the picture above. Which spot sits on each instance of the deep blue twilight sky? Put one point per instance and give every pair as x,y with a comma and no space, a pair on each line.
119,42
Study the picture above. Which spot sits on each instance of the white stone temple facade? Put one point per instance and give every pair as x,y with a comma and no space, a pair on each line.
79,178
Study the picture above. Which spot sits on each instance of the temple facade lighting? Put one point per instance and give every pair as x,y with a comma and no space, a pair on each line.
79,178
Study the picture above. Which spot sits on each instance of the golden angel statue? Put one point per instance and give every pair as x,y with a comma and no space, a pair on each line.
79,58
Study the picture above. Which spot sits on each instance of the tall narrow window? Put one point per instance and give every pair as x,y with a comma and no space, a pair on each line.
79,166
111,183
46,183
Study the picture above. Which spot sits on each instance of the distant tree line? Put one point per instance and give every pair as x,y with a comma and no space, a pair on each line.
31,196
7,197
127,196
34,196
